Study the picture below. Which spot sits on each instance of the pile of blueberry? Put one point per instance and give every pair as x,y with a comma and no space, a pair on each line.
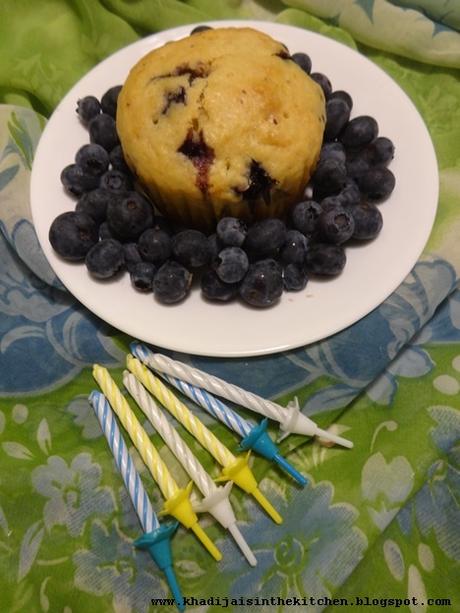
114,227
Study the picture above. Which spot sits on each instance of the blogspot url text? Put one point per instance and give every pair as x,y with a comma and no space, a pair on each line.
306,601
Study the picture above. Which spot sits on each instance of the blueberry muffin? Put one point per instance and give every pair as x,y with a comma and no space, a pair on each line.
221,123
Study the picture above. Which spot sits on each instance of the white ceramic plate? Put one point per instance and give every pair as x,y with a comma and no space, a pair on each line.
373,271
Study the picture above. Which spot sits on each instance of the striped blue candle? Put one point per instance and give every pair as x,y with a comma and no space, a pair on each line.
124,462
253,436
212,405
156,538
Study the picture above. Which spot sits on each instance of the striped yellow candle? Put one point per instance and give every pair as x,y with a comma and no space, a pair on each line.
234,469
177,500
138,435
181,412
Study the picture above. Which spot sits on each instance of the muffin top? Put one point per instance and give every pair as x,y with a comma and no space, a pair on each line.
221,122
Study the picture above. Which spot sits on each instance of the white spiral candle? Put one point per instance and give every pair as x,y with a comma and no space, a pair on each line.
216,499
212,384
181,412
175,442
290,418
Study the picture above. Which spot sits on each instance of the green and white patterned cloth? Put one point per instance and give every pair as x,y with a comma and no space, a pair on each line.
380,521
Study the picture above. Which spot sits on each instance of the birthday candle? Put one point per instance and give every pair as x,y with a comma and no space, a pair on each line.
181,413
138,435
254,436
212,405
177,500
156,538
236,469
216,498
125,465
290,418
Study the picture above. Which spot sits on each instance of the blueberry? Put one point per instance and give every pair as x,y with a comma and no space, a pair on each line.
359,132
131,255
336,225
341,95
295,277
305,217
323,82
377,183
263,284
72,235
231,264
381,151
199,29
109,101
154,246
325,259
231,231
103,131
88,108
295,248
129,216
117,159
214,288
303,60
357,165
331,202
265,237
93,159
116,181
333,150
337,115
76,181
350,194
105,231
105,258
172,282
368,221
95,204
142,275
190,248
214,246
330,176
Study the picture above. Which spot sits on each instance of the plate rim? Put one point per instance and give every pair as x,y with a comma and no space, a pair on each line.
279,346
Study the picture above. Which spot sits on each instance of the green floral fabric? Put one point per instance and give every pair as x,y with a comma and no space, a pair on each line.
381,521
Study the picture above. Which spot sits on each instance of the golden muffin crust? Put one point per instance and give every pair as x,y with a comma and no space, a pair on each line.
221,123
